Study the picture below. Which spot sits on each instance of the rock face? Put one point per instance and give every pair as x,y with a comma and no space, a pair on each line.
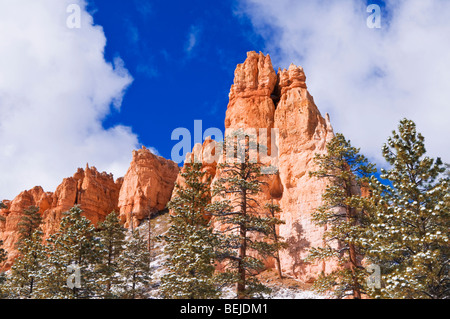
147,186
261,98
201,153
206,154
303,132
96,193
250,104
12,216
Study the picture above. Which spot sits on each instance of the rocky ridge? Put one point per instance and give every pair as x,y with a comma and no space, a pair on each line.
259,98
146,188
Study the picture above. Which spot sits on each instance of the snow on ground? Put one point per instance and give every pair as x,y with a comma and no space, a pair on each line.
291,293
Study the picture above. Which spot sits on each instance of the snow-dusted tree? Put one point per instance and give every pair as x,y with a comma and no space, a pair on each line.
3,254
30,220
244,228
411,220
4,291
112,238
134,266
190,242
28,267
346,171
74,246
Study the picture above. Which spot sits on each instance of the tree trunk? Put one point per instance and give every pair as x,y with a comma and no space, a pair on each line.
243,247
353,266
353,260
275,239
350,216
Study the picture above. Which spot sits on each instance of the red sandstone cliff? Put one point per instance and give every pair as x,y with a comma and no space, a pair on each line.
96,193
262,98
146,187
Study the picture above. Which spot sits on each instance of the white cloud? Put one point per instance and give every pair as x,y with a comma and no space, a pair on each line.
367,79
192,39
55,90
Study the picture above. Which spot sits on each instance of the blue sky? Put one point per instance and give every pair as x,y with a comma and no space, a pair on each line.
182,56
136,70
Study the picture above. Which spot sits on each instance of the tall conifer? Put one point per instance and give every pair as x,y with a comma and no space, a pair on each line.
244,228
346,171
190,242
409,233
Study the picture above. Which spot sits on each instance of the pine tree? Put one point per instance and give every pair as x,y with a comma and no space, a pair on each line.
411,220
244,230
29,222
190,241
3,278
3,253
134,265
28,267
74,245
112,238
345,171
277,240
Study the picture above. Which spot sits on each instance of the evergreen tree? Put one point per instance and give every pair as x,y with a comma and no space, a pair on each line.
190,241
134,265
277,240
112,238
3,253
244,230
3,278
4,293
74,245
28,267
345,171
29,222
411,220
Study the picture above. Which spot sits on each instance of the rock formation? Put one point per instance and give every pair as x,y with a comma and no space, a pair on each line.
260,98
303,132
206,154
12,216
147,186
96,193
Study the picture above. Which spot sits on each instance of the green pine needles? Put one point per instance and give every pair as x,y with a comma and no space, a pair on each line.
409,231
190,242
79,261
245,229
346,171
401,226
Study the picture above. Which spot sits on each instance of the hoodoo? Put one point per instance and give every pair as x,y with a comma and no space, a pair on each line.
261,98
